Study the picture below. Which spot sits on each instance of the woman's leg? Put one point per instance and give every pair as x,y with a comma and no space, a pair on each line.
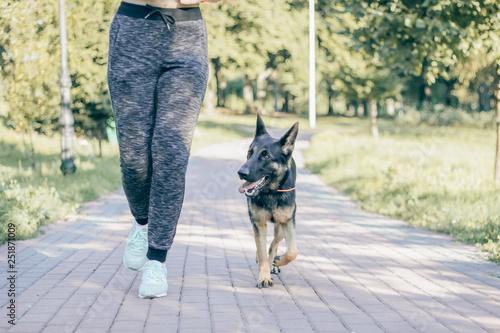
181,89
132,78
133,72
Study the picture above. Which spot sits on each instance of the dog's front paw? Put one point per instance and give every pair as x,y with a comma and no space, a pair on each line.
275,270
265,281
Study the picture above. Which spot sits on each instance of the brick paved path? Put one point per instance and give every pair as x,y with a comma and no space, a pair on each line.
356,272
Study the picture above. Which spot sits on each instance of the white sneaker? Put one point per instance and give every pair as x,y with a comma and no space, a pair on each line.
134,255
154,280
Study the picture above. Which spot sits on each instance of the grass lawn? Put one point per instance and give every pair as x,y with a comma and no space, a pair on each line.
439,178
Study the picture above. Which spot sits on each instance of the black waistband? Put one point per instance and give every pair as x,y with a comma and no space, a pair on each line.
179,14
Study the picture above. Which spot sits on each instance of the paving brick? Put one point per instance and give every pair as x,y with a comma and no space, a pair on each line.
100,322
198,323
226,316
91,330
162,319
31,317
64,320
330,326
195,330
27,327
229,326
365,328
386,316
129,325
357,319
289,324
395,326
155,328
264,328
322,316
55,329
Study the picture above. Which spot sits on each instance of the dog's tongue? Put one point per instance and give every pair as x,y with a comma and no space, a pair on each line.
247,185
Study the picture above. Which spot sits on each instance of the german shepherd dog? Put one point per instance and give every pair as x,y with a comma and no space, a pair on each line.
270,175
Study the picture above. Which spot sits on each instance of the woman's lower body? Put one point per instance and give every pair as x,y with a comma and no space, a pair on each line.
157,77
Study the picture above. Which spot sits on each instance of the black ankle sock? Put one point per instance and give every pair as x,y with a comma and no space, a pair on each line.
156,254
142,221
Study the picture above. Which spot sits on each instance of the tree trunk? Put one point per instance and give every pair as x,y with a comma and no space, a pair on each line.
484,97
248,96
361,110
351,110
221,93
216,67
424,93
372,106
497,154
276,97
210,95
94,148
261,88
330,100
220,83
100,147
425,96
286,106
101,128
32,157
449,91
26,154
209,109
390,107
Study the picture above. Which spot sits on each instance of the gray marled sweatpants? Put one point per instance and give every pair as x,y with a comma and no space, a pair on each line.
157,77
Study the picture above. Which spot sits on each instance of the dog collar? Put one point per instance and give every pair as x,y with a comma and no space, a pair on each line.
291,189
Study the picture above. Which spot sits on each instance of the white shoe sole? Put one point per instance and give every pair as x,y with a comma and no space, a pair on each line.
134,269
153,296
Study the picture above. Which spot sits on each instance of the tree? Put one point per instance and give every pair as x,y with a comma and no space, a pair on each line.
246,40
88,24
28,33
426,38
359,75
29,46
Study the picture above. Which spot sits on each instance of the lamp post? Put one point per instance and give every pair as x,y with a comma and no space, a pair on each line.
66,120
312,66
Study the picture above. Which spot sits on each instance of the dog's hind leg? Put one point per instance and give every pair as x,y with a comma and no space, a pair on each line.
278,237
260,233
291,245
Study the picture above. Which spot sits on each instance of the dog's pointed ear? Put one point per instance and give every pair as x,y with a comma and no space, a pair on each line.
288,139
261,128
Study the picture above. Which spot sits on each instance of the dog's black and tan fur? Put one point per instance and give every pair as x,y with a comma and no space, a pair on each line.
270,162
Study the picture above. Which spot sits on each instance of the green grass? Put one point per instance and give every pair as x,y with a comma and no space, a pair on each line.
31,198
439,178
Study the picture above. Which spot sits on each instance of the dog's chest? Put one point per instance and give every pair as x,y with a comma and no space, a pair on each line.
282,214
272,208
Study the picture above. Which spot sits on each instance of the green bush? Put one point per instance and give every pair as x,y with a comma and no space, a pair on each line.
29,207
439,115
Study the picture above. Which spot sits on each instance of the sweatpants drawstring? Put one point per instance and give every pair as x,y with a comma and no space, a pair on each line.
168,19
